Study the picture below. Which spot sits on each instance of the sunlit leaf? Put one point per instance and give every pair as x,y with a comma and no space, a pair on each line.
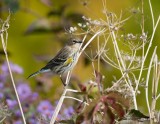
118,110
118,97
105,109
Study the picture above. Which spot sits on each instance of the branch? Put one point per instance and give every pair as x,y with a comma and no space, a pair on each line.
69,97
147,80
150,5
58,107
4,29
150,44
99,32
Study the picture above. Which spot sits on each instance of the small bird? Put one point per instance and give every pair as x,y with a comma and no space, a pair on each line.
65,59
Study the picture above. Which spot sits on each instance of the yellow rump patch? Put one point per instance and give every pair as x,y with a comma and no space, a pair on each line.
68,61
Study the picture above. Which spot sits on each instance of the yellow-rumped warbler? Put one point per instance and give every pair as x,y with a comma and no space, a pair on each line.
65,59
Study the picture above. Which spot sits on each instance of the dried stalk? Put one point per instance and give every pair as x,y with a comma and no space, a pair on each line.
60,102
147,80
5,26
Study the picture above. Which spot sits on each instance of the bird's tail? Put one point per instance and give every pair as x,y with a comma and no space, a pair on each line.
34,74
38,72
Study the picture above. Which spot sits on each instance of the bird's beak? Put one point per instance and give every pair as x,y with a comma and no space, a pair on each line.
79,41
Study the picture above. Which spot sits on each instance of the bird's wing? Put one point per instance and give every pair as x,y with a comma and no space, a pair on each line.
60,58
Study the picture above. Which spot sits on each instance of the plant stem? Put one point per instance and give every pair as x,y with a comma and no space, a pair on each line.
58,107
146,54
4,29
147,80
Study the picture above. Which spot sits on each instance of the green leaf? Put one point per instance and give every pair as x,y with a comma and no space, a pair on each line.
136,115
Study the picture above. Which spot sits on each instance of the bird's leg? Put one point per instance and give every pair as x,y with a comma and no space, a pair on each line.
67,79
64,83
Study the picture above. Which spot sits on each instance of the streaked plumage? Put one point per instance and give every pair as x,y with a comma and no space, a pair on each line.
65,59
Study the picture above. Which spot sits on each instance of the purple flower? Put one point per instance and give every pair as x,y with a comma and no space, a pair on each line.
45,108
18,122
14,67
11,103
1,85
2,78
33,121
34,96
24,91
48,113
68,112
1,95
17,113
44,105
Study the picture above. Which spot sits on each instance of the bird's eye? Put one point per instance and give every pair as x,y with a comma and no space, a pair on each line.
74,41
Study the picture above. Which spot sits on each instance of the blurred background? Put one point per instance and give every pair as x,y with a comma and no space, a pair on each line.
38,31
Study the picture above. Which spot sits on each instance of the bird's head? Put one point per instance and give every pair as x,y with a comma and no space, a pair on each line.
75,43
